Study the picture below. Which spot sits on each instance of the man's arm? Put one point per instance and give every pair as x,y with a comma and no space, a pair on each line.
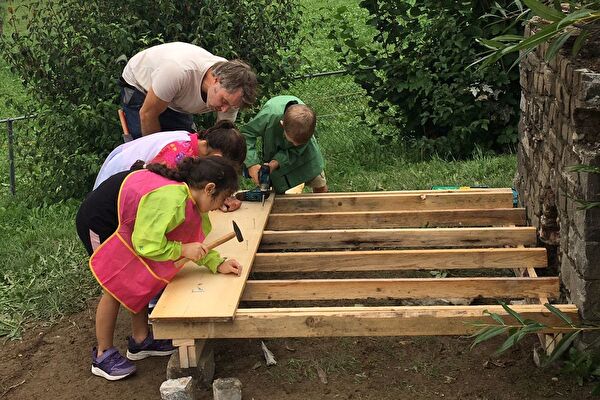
153,106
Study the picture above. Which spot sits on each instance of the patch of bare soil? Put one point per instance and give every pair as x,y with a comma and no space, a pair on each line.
54,363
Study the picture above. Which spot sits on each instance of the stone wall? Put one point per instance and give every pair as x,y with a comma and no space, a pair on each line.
560,128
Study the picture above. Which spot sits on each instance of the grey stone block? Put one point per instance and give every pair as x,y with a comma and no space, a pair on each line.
178,389
227,389
203,373
590,306
587,259
590,89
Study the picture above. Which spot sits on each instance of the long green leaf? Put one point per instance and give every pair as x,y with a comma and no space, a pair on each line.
580,41
556,45
513,313
495,317
585,168
562,346
543,10
564,317
507,38
574,17
540,36
509,342
488,334
490,43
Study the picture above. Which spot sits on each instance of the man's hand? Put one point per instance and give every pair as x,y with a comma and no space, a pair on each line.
230,267
253,172
193,251
231,204
153,106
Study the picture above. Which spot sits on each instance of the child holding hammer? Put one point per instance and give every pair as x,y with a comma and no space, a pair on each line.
137,226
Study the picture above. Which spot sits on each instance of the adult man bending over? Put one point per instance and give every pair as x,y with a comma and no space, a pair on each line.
164,85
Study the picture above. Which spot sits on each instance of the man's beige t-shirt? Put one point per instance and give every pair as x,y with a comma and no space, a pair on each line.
175,72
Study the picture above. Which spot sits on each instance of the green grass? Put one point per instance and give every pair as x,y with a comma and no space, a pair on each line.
43,271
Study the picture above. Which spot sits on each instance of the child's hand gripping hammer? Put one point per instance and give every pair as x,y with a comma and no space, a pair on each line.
237,233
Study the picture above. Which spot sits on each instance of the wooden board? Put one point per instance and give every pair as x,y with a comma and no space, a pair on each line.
397,219
411,288
425,200
198,294
393,192
398,238
354,321
385,260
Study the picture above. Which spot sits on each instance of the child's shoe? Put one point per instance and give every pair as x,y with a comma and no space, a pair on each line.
111,364
149,347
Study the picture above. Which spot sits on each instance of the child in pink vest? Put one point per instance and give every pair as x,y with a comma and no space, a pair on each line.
135,226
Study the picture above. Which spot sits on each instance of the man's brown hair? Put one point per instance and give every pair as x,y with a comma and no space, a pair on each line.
234,75
299,122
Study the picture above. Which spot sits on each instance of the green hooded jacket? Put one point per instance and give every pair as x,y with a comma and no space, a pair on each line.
297,164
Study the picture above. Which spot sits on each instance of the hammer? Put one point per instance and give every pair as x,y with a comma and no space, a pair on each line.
236,233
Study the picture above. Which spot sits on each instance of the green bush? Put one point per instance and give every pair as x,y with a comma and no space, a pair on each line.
420,82
70,55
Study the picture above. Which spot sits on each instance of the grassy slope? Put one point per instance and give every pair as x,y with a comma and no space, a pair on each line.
42,264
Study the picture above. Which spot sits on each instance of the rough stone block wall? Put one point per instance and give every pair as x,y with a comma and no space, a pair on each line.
560,128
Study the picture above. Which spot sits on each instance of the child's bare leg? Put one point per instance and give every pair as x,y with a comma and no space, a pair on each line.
139,325
106,319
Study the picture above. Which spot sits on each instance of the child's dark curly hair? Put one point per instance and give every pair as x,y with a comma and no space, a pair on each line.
197,172
225,137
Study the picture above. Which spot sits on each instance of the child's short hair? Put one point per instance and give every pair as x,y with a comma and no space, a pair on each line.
299,121
225,137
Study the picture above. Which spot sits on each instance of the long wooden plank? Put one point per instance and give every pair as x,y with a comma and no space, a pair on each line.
392,192
389,260
195,292
397,219
412,288
393,202
398,238
354,321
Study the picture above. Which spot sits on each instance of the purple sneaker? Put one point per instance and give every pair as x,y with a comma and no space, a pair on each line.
111,364
149,347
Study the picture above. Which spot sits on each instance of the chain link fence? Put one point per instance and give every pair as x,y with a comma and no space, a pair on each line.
338,101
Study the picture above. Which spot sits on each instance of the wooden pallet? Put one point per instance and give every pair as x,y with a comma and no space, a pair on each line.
336,264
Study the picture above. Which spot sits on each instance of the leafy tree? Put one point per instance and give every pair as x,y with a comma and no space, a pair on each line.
70,54
419,82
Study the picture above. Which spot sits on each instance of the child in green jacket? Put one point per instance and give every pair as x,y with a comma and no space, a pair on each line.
286,126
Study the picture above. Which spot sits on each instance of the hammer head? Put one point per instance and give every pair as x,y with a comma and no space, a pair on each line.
238,232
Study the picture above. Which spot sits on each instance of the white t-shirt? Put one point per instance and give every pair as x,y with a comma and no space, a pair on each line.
175,72
144,148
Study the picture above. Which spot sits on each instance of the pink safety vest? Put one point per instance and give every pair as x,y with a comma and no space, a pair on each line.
132,279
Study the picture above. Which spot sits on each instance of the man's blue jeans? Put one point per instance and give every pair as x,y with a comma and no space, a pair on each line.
170,120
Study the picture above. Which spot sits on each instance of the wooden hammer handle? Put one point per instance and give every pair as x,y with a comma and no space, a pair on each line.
126,136
220,240
123,122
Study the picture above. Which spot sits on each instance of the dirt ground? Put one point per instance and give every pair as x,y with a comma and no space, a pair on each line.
54,363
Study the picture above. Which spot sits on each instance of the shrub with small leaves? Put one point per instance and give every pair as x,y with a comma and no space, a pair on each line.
420,82
70,55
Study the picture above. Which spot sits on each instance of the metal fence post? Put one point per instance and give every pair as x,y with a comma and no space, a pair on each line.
11,155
